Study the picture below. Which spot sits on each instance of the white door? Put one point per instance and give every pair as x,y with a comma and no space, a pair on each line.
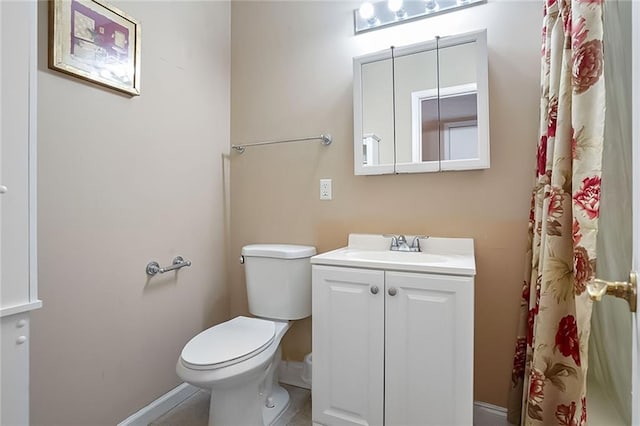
635,402
18,126
614,371
348,346
18,38
428,317
14,146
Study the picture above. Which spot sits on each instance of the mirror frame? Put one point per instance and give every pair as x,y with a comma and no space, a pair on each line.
482,85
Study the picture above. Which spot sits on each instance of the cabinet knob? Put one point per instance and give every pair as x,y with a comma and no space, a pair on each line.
393,291
374,289
3,189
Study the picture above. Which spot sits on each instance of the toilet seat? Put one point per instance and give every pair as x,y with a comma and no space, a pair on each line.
228,343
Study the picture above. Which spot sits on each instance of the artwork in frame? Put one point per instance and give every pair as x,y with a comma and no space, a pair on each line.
95,41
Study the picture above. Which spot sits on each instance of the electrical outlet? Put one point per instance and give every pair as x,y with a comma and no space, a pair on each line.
325,189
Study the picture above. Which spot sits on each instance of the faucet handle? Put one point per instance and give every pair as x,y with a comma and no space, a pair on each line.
394,240
415,244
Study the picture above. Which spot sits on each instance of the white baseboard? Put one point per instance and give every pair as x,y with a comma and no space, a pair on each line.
489,415
290,373
484,414
160,406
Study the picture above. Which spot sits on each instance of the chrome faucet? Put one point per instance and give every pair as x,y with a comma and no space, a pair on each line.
399,243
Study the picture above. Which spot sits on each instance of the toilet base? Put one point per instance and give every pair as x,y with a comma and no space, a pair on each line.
280,401
226,410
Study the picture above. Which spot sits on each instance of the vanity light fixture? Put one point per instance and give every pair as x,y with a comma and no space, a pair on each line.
374,15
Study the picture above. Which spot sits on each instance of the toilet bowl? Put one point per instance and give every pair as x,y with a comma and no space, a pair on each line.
237,360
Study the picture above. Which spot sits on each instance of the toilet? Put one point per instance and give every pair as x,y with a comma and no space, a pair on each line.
238,360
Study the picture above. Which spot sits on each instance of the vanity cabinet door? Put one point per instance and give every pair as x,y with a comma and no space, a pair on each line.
348,346
429,349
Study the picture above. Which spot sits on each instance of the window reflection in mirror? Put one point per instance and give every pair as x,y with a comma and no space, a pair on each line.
445,127
459,127
458,103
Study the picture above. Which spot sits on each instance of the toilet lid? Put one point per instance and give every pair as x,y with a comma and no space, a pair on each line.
240,337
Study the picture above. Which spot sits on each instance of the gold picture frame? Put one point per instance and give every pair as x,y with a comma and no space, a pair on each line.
95,41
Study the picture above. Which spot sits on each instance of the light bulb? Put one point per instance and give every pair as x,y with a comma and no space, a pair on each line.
394,5
366,11
431,5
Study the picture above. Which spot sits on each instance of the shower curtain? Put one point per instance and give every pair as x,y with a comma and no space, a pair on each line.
550,362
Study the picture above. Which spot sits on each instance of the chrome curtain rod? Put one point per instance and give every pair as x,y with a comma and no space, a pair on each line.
326,140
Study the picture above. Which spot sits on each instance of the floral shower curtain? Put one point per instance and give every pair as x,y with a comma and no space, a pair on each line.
550,362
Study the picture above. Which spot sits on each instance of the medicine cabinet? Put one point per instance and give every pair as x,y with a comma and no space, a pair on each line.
423,107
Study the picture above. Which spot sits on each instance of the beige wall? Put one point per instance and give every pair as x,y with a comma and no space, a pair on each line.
292,76
123,181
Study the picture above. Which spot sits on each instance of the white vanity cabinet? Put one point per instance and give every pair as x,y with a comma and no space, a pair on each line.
391,347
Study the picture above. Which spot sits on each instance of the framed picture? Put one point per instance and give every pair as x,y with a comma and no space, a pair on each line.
95,41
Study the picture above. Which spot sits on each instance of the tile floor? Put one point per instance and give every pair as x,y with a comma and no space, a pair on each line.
194,411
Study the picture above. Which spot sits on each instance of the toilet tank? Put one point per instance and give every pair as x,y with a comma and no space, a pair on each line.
278,278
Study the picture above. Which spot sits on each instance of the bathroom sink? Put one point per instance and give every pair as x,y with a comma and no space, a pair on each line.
439,255
395,256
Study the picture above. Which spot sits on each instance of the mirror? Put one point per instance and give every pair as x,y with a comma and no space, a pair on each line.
416,107
377,114
423,108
